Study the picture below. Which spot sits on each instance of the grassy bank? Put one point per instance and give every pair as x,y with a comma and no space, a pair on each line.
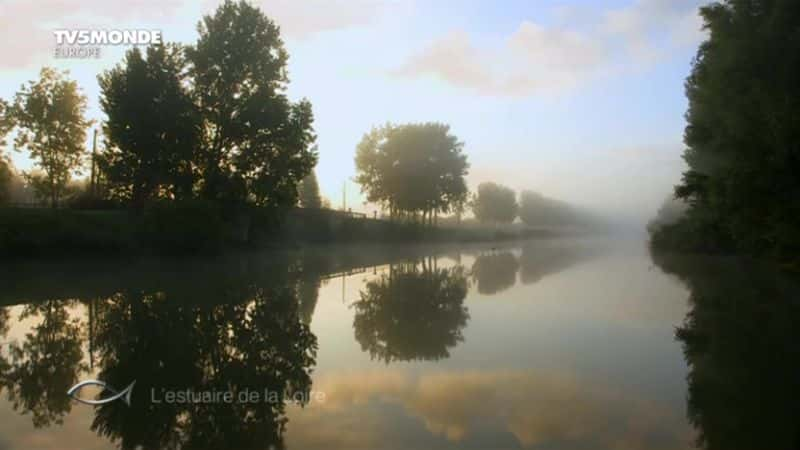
197,227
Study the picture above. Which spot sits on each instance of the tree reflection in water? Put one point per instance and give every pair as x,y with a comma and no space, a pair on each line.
495,272
415,312
740,342
240,337
38,371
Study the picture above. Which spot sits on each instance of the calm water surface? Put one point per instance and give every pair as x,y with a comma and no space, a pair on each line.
558,344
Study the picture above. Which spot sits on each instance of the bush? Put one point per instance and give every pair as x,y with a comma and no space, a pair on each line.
182,226
28,231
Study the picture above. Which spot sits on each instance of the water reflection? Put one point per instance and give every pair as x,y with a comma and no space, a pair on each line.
557,372
539,261
250,338
255,341
38,372
495,272
740,341
415,312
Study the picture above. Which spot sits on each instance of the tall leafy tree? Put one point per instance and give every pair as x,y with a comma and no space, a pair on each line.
309,192
152,130
495,204
743,133
256,145
49,113
413,168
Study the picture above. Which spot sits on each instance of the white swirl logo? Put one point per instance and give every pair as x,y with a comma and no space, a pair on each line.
124,394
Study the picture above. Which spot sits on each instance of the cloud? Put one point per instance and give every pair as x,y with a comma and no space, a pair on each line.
539,59
538,408
650,29
29,24
533,59
302,19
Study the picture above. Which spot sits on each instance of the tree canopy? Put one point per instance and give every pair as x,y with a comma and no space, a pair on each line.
495,204
49,115
412,168
152,130
743,132
256,145
309,192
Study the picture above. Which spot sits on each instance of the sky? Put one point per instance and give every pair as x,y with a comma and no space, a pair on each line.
579,100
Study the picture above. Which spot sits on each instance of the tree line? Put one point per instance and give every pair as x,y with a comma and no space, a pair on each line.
208,121
211,121
742,187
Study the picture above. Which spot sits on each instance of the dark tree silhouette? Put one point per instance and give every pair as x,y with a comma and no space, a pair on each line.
152,130
256,144
412,313
743,131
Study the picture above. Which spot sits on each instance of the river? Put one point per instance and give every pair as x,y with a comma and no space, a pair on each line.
553,344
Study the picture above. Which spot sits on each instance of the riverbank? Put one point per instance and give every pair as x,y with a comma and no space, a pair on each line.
193,228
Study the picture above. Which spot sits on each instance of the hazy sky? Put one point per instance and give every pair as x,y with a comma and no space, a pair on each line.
581,100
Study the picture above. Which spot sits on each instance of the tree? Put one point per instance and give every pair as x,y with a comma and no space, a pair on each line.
743,130
309,192
413,168
6,121
152,130
495,204
538,210
50,116
256,145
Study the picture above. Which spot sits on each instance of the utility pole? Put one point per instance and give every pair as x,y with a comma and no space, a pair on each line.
344,196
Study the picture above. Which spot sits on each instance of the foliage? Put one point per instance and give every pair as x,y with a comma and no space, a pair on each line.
49,114
537,210
495,203
412,168
6,121
152,130
308,190
183,226
34,231
412,314
256,145
743,130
